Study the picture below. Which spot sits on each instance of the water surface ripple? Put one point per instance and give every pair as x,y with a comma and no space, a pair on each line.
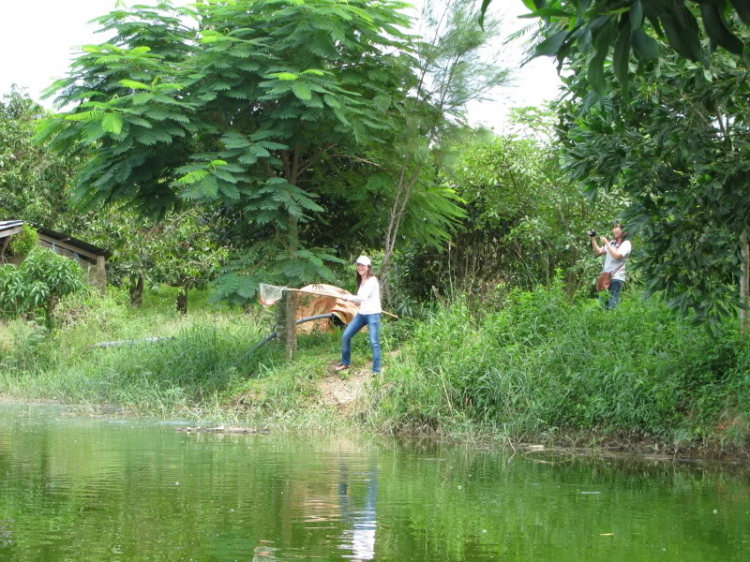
92,490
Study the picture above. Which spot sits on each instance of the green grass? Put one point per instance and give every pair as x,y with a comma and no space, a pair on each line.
545,367
204,353
540,367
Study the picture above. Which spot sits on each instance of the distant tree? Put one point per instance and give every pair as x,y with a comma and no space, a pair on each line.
34,181
525,218
452,72
185,254
181,250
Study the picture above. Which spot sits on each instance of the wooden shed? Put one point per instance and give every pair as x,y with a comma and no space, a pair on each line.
92,259
7,229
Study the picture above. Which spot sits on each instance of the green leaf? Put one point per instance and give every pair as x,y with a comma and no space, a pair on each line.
134,85
682,34
717,30
743,10
548,13
620,57
112,123
595,74
235,140
302,91
284,75
645,47
142,98
550,46
636,15
85,116
483,11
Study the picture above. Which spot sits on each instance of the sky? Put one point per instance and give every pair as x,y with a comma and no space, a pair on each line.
39,38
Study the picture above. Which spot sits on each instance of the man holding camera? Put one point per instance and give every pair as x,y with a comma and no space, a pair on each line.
617,251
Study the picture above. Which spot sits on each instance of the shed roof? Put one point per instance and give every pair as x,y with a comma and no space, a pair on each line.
62,237
8,227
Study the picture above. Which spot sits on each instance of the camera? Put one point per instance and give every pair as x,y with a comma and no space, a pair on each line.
592,233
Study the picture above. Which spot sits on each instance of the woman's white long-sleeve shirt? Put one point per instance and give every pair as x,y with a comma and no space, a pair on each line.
368,296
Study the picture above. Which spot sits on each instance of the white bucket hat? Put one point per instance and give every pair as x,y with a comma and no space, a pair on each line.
363,260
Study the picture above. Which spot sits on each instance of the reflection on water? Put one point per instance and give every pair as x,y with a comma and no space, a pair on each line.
125,491
360,539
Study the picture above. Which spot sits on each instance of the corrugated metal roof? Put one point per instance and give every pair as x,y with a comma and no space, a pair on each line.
10,224
7,226
62,237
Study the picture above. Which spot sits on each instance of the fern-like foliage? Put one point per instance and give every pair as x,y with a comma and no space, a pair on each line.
231,104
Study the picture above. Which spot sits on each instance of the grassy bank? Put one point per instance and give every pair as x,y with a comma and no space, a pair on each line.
546,367
540,367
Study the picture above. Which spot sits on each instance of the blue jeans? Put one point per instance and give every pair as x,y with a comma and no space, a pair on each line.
610,301
372,321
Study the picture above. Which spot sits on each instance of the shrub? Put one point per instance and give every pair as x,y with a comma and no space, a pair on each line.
25,241
546,363
37,285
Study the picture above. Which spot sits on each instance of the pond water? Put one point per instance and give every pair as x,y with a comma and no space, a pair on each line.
80,490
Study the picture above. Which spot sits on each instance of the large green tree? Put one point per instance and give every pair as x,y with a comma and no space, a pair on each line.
678,145
231,104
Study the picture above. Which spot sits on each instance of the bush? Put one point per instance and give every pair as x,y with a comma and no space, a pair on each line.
545,363
25,241
37,285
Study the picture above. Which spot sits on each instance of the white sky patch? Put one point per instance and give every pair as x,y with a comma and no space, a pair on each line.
40,38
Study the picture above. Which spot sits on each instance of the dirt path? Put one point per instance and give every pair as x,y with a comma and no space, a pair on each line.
348,393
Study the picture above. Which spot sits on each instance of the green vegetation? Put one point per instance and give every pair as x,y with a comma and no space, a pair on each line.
38,284
545,366
230,143
539,366
591,29
24,241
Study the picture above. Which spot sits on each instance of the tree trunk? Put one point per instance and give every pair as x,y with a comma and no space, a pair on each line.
136,291
290,331
398,210
182,300
101,274
745,286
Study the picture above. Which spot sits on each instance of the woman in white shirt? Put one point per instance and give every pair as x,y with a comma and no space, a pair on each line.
617,252
368,295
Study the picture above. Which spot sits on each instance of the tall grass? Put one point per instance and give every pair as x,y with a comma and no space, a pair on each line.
537,365
201,356
545,365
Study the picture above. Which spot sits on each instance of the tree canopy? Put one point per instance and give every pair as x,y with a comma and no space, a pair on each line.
232,105
595,28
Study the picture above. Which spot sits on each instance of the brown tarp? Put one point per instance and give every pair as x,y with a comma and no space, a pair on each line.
310,304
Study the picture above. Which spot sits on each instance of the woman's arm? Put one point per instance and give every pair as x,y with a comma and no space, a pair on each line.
597,250
614,252
365,291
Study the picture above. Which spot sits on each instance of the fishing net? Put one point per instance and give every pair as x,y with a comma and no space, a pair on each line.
270,294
